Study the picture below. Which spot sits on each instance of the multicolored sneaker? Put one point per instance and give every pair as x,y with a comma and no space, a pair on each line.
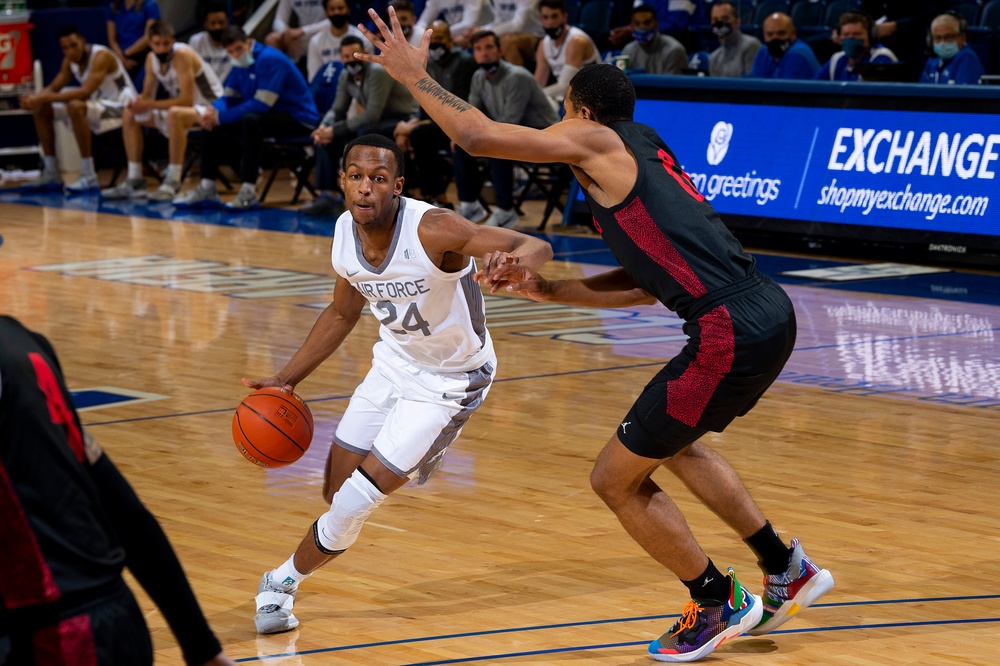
274,606
788,593
702,627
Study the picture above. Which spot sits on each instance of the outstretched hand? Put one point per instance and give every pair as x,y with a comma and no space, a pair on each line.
268,381
403,61
504,270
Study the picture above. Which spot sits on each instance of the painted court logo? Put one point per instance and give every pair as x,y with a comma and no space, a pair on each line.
718,145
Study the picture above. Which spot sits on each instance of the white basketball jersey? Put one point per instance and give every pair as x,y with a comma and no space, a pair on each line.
434,319
213,56
556,56
207,87
116,86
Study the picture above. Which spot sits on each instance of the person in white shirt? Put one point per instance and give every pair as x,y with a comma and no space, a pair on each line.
188,82
311,17
207,42
413,265
563,51
325,44
460,15
93,108
516,22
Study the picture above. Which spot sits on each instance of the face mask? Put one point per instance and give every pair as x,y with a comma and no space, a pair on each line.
644,36
556,32
216,35
721,29
853,47
354,68
437,51
244,60
489,67
946,50
164,58
339,20
407,30
777,47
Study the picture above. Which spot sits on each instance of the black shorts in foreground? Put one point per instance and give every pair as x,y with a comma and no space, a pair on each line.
736,348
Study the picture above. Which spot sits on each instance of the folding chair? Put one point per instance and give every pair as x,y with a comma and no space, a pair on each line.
552,179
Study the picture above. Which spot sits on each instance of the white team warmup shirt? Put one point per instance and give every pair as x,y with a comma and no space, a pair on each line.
116,88
207,87
434,319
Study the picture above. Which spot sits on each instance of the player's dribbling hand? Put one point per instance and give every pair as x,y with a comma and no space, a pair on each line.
268,381
502,270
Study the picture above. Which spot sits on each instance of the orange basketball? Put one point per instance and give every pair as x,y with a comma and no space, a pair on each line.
272,427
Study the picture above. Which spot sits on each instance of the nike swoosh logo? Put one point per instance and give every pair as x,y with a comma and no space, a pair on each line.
350,274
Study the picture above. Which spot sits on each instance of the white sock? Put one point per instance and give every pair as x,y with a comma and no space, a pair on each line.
249,187
173,173
207,185
288,575
87,167
134,171
51,165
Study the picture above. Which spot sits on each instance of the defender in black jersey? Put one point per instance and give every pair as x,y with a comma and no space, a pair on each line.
69,523
673,248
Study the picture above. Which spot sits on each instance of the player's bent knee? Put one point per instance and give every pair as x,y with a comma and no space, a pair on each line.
76,107
337,529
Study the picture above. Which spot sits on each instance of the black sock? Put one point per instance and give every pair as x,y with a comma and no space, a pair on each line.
773,555
711,586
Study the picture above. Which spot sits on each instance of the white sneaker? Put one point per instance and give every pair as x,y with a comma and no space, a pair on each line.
127,189
246,199
502,218
167,191
473,211
274,607
85,185
199,197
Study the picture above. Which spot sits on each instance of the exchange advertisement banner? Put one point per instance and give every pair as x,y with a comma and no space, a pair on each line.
898,169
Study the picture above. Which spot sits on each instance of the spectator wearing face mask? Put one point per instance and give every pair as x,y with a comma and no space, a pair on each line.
650,50
562,51
855,31
324,46
783,56
208,42
954,62
737,50
406,14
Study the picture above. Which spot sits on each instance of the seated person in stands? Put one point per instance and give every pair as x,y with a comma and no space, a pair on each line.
736,51
460,15
406,14
188,81
506,93
902,26
128,24
856,31
325,44
650,50
208,42
421,137
311,16
674,18
516,22
93,108
562,51
384,102
783,56
954,61
265,96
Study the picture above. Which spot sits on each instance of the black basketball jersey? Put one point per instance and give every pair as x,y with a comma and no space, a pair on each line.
665,234
56,543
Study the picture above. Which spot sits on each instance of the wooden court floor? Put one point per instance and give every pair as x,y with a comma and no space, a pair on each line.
877,448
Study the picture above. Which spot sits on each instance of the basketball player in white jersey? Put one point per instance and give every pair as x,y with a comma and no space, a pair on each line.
188,82
412,264
563,51
93,108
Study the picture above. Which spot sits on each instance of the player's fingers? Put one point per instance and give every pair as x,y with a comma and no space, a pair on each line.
380,25
250,384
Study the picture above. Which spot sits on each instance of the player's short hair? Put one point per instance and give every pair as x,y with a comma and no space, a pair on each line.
558,5
403,6
68,30
231,35
605,90
484,34
644,9
378,141
214,8
161,28
352,39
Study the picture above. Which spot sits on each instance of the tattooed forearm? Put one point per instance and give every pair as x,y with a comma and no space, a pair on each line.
431,87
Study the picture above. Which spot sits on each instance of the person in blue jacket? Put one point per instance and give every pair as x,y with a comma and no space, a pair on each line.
856,33
954,61
266,96
783,56
128,24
